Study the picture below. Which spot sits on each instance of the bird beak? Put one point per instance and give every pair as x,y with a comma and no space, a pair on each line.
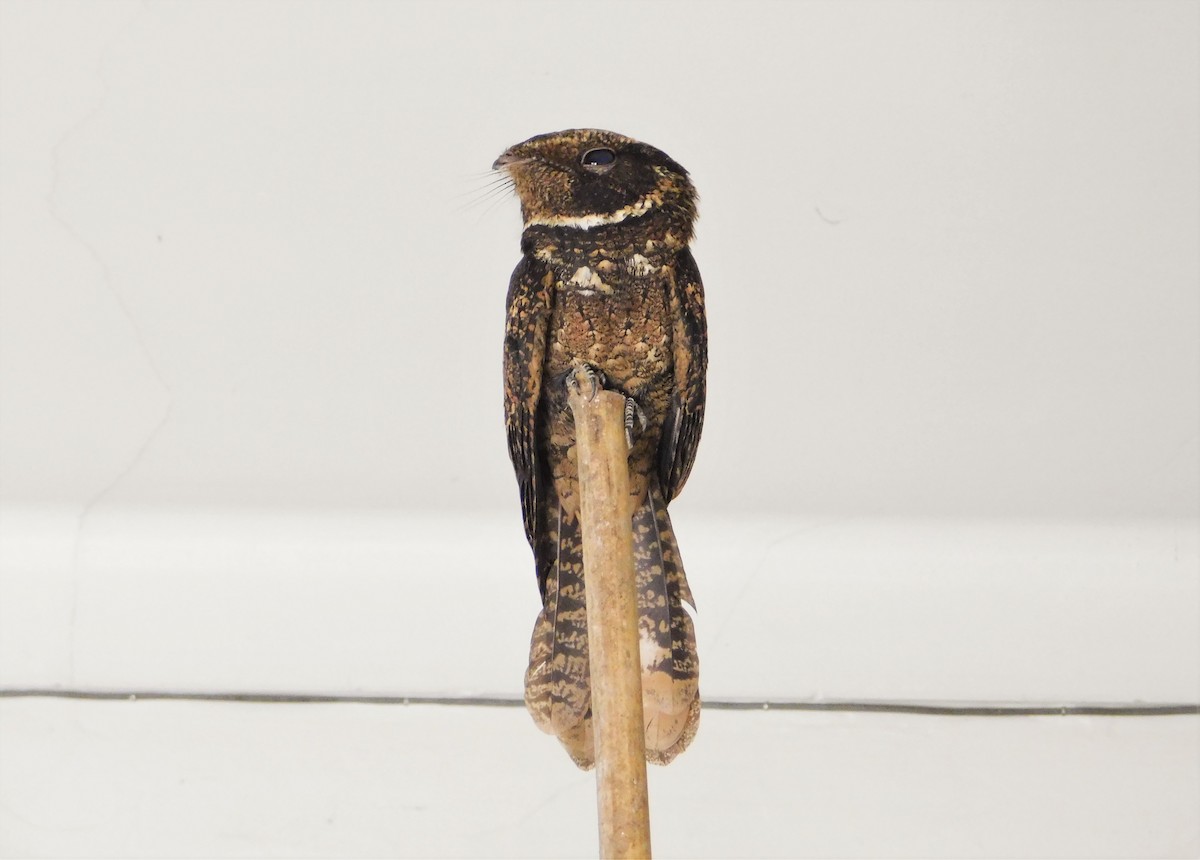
507,159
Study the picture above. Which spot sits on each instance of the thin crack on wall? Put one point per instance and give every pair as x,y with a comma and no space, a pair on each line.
106,279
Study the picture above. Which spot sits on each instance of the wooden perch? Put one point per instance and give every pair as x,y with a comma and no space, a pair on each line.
602,455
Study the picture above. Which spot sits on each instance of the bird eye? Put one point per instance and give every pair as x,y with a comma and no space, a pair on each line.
598,157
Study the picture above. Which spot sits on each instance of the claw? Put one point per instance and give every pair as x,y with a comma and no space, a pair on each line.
595,377
633,412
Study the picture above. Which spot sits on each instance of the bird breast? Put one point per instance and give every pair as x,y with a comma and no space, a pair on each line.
617,322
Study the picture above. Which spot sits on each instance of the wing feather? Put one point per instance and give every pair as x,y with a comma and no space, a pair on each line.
530,298
685,417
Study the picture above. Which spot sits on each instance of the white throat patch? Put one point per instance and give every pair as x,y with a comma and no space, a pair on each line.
586,222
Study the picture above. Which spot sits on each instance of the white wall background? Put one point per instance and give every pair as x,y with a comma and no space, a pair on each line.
251,299
950,249
252,296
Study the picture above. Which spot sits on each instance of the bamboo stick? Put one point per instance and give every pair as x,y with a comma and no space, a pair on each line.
611,597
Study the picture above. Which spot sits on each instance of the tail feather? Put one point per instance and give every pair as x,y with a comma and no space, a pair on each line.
670,668
557,682
580,744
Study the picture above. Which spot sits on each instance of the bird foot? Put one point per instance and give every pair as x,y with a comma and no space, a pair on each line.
634,416
594,376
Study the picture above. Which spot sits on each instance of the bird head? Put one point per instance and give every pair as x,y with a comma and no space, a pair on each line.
585,178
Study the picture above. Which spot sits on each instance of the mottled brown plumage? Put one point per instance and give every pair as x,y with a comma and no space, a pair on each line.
606,280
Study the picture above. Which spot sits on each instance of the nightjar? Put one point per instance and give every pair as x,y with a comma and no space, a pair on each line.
606,280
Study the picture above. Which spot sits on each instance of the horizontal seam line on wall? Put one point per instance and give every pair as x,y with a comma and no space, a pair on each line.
885,707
